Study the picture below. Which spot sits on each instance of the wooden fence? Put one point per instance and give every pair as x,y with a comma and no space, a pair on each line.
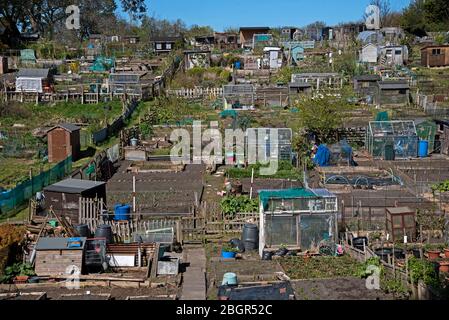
139,92
197,93
187,229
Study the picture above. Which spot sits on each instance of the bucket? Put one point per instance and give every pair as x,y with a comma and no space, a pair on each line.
423,149
229,279
228,255
83,230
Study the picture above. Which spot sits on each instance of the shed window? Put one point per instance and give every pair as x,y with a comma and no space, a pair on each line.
436,52
159,46
168,46
398,52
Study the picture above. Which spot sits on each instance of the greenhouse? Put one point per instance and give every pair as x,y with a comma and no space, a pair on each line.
304,218
390,140
238,96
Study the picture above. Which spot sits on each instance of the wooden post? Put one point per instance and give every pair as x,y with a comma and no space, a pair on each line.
134,193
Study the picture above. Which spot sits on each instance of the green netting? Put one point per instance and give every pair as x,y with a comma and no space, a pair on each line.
102,64
27,55
382,116
228,113
11,200
266,196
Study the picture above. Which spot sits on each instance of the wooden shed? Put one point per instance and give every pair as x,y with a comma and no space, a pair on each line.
435,56
55,255
393,93
247,34
163,45
63,141
401,222
64,196
34,80
366,85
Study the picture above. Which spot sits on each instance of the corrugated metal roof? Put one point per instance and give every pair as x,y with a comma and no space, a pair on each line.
368,77
33,73
393,85
124,78
238,89
254,28
73,186
58,244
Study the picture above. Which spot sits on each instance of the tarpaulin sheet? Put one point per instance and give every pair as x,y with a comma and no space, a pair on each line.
278,291
29,85
322,157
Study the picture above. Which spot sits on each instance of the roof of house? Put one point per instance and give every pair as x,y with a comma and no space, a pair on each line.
73,186
368,77
435,46
58,244
66,126
400,210
393,85
254,28
33,73
166,39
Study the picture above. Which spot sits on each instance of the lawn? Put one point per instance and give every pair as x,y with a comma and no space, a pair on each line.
14,171
33,116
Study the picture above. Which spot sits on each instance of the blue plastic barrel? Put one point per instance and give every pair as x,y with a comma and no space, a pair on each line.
229,279
423,149
122,212
238,65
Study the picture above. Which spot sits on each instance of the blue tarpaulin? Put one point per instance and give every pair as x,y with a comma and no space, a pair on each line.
323,156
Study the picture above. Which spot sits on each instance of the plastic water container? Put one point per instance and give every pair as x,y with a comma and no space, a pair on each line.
230,279
122,212
250,237
423,149
134,142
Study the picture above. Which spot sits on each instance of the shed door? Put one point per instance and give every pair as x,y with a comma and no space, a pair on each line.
59,144
313,229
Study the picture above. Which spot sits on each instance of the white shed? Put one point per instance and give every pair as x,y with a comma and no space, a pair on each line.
32,80
273,57
369,53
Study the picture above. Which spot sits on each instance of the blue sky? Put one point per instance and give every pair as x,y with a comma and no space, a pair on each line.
273,13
